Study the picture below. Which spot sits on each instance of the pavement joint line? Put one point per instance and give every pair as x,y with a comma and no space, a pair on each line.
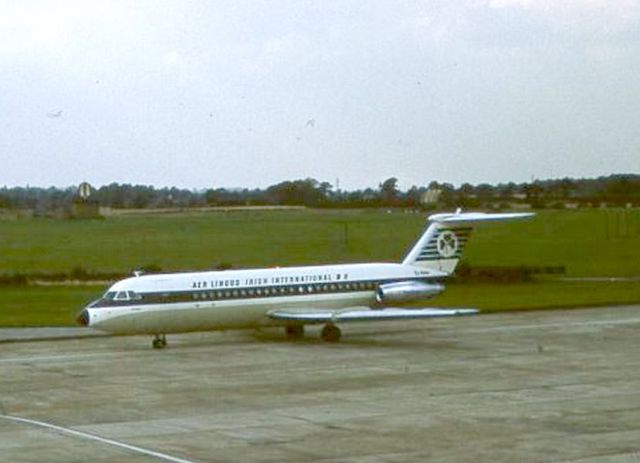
104,440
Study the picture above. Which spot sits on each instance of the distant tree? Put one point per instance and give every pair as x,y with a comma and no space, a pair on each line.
466,189
506,191
325,189
485,192
466,196
5,201
447,195
299,192
389,191
567,188
413,197
534,190
613,189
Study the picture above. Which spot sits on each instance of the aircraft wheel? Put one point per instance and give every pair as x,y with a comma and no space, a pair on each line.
159,342
294,331
331,333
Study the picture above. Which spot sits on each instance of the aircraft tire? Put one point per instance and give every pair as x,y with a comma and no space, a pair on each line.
159,342
331,333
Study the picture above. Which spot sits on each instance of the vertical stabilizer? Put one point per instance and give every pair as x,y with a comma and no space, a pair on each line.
441,245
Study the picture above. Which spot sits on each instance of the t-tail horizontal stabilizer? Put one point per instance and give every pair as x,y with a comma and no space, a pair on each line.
477,217
360,314
442,243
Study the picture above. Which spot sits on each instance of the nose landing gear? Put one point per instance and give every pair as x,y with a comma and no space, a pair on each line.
159,341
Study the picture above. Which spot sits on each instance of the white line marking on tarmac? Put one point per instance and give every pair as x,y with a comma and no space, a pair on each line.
84,435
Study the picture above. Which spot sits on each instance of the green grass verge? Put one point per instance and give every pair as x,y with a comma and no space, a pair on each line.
539,294
44,305
587,242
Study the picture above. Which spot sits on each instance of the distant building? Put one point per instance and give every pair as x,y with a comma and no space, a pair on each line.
83,206
430,196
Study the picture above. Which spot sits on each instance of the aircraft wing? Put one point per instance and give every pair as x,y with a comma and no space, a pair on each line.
360,314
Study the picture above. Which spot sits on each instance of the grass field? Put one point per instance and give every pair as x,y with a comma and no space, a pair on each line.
588,242
44,305
539,294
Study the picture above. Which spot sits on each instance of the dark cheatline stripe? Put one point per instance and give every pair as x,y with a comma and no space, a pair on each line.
424,259
303,289
438,257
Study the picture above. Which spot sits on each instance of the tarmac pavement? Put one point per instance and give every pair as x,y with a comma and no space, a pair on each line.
531,386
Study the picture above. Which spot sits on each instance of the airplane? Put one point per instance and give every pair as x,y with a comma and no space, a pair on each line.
291,297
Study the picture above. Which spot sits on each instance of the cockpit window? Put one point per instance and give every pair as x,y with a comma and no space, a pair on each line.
122,296
134,296
109,295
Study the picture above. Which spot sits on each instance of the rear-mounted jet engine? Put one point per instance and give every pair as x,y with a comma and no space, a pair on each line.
393,293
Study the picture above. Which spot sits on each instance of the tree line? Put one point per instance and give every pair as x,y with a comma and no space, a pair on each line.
613,190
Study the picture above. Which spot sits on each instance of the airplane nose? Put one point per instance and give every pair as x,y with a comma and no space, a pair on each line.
83,318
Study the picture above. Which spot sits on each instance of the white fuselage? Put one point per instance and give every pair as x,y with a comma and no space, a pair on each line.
199,301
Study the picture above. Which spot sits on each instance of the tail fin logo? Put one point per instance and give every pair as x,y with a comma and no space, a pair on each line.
447,244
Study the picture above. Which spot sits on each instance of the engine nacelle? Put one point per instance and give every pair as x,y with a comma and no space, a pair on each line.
405,291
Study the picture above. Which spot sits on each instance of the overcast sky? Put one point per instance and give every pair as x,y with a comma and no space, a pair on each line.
203,94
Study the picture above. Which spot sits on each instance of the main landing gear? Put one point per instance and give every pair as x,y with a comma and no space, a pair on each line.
294,331
159,342
331,333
